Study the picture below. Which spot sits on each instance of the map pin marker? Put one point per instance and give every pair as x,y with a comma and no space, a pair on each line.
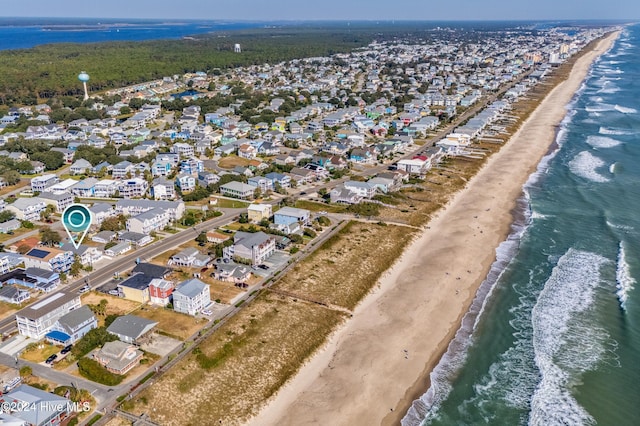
76,220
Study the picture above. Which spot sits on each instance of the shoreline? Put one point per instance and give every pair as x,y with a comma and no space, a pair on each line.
375,365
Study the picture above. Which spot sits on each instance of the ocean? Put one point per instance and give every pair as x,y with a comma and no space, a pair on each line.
553,337
20,33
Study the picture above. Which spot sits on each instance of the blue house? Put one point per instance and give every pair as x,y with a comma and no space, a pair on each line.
72,326
186,182
289,215
161,168
192,166
281,179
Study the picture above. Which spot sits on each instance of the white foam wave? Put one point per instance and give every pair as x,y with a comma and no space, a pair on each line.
621,227
625,110
536,215
609,90
601,107
624,281
602,141
609,131
585,165
569,291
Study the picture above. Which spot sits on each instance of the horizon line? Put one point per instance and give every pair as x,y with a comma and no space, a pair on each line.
293,20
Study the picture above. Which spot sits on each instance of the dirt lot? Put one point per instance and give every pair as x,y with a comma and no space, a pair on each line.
176,324
232,161
246,361
115,305
345,268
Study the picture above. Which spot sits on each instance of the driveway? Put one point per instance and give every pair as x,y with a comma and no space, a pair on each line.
161,345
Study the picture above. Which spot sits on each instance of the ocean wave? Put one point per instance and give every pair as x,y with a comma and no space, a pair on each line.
609,90
621,227
564,345
600,107
625,110
585,165
427,406
610,131
624,281
602,141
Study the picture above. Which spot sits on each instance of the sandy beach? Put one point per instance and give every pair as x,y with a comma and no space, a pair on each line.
375,365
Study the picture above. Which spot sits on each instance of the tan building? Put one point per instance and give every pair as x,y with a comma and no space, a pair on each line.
257,212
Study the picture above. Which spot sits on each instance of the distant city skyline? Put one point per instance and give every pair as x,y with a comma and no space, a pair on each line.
328,10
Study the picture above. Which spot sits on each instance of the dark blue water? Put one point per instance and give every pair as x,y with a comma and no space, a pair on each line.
558,339
18,33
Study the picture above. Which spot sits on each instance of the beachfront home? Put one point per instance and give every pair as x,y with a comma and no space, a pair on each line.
118,357
191,296
132,329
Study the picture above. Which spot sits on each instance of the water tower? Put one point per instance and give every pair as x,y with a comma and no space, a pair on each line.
236,48
84,77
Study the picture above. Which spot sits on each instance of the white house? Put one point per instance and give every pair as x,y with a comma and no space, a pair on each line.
191,296
27,208
40,183
255,247
37,320
150,221
237,190
363,189
105,188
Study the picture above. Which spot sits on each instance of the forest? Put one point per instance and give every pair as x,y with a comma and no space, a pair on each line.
47,71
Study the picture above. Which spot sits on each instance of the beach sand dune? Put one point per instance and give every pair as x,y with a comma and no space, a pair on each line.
374,366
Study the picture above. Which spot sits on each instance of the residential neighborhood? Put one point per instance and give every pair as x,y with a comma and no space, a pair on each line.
203,187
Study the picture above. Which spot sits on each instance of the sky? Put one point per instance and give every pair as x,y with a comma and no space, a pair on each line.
267,10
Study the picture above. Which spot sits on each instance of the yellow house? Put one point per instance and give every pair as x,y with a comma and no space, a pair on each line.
257,212
136,288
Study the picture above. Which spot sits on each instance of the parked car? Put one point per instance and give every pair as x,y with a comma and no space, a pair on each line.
66,349
51,359
206,312
114,292
263,266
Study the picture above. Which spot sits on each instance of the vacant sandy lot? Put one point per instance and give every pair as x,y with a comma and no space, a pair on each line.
176,324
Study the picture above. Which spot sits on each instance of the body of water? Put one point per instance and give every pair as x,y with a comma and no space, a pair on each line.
19,33
557,341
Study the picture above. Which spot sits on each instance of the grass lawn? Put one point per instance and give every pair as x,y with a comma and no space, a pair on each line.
230,204
176,324
348,264
40,354
232,161
319,207
245,363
